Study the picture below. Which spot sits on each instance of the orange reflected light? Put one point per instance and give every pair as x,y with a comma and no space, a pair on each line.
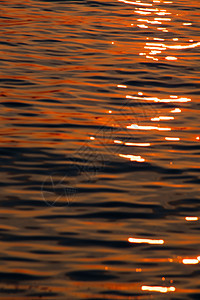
155,119
148,9
190,261
138,144
180,47
150,22
146,241
151,57
161,289
135,126
153,52
175,110
165,118
155,99
142,26
138,270
122,86
135,3
171,58
164,46
162,19
172,138
191,218
133,157
142,12
162,13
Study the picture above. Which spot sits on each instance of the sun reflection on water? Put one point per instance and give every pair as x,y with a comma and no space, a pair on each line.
161,289
146,241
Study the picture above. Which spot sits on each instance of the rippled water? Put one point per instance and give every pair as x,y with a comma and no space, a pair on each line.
100,149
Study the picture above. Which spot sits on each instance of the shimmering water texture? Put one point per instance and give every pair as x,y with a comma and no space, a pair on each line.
99,150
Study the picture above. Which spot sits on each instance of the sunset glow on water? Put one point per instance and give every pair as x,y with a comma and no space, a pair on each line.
99,149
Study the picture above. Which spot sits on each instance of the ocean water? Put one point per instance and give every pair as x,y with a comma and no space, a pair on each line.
99,150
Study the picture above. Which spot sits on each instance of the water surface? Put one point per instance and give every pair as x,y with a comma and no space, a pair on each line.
99,150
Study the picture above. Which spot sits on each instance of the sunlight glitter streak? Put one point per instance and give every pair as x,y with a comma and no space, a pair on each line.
176,47
191,218
156,99
142,12
118,142
171,58
138,144
176,110
139,127
146,241
160,118
190,261
133,157
161,289
135,3
122,86
172,138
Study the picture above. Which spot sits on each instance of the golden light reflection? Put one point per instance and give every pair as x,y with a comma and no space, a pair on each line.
181,47
122,86
162,19
138,144
190,261
172,138
163,13
142,12
142,26
151,57
138,270
171,58
118,142
191,218
150,22
137,158
135,3
161,289
158,39
164,118
176,110
156,99
133,144
144,127
146,241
